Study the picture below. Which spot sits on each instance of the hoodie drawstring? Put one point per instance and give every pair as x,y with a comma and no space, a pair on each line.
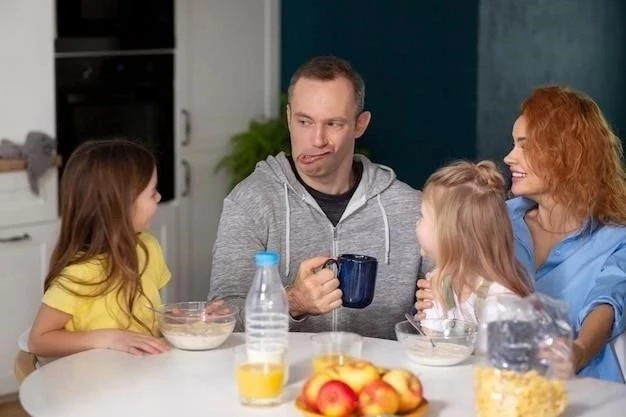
287,226
386,221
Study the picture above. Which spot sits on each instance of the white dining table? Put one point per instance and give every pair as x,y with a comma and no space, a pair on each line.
186,384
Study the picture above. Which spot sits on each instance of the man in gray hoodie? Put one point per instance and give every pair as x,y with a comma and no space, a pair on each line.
323,201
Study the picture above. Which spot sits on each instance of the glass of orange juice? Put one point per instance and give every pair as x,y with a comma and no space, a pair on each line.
335,348
260,378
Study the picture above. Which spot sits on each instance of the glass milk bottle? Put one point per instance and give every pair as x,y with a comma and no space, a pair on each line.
267,312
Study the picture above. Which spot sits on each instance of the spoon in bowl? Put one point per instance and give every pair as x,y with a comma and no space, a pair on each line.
411,320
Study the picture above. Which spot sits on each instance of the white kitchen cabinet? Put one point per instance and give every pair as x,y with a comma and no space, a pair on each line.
165,228
19,205
24,255
200,212
226,74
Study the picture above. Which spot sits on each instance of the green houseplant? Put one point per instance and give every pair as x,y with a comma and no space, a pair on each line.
263,138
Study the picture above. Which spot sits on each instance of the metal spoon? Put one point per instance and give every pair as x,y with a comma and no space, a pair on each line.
411,320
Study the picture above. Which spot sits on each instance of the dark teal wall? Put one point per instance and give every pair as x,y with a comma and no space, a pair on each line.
523,44
445,77
418,59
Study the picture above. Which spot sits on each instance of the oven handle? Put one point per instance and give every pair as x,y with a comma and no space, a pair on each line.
187,129
17,238
187,189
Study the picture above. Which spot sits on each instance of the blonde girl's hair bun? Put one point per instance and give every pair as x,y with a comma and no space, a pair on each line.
490,177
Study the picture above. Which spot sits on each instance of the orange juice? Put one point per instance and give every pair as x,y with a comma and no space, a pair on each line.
260,381
324,361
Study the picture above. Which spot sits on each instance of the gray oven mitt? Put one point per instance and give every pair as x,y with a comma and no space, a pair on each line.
38,151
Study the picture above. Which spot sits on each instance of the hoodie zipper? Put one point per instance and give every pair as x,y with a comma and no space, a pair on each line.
333,250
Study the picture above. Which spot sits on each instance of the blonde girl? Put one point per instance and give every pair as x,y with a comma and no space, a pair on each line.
466,231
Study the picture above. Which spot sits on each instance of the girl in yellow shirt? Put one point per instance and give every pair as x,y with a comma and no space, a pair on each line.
105,271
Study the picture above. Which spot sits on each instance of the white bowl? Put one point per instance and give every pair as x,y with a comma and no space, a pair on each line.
453,339
194,326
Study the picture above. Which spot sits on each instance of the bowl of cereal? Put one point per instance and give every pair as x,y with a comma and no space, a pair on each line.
443,342
197,325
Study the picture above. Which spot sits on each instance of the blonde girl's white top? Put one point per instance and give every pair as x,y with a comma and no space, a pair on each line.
468,310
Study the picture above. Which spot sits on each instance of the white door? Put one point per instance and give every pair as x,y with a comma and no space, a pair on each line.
24,256
226,74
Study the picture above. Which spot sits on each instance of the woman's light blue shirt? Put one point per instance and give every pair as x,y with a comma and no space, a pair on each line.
585,269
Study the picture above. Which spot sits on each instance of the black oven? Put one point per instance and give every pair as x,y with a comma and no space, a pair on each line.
107,25
119,96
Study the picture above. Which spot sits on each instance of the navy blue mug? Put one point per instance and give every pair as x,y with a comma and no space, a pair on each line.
357,279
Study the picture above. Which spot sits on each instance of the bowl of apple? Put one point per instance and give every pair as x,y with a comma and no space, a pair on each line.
360,388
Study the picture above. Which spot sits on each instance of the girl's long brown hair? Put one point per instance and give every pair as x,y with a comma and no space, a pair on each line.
570,145
474,234
100,183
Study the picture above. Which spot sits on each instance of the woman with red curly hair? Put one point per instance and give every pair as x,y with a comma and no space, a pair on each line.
569,217
569,220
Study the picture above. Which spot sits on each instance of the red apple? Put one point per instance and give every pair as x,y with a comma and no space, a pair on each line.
378,397
336,399
311,388
408,387
357,374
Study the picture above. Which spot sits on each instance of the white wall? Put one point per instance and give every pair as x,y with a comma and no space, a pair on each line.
27,102
27,70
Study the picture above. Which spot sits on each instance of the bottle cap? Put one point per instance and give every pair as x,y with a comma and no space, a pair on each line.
266,258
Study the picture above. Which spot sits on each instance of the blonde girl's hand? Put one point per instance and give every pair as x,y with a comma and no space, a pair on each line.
424,297
130,342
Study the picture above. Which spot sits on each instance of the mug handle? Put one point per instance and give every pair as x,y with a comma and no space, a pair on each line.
330,262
